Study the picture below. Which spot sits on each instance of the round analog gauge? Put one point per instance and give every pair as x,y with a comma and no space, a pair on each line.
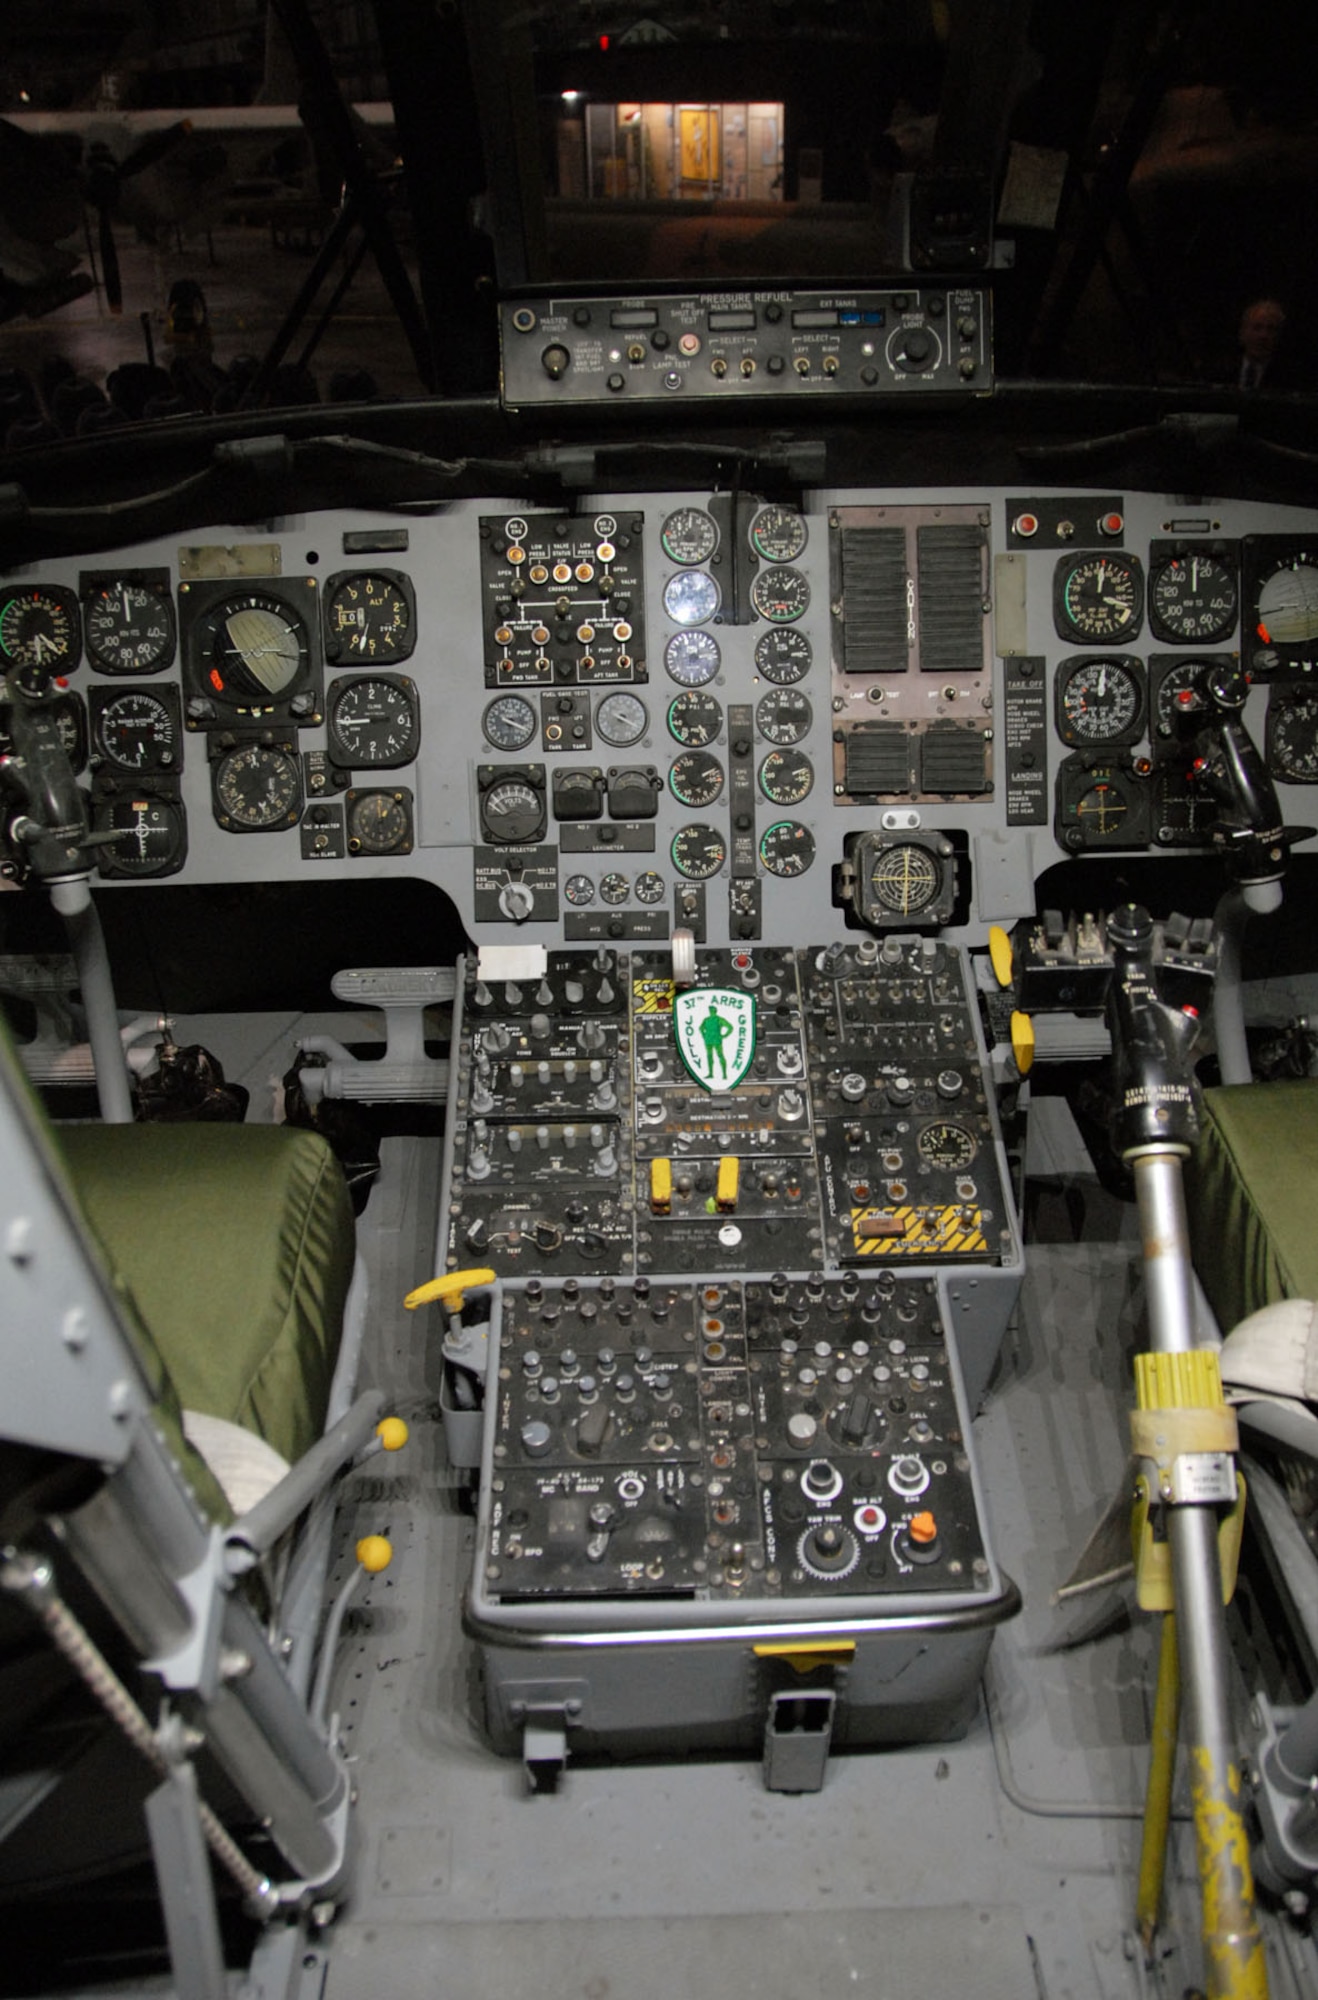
373,722
786,777
136,732
691,597
649,887
1181,698
783,717
368,617
614,888
512,811
778,534
783,657
698,851
1292,737
695,778
621,720
70,723
689,535
129,627
509,722
905,879
378,823
1193,598
579,890
39,628
786,848
257,787
1100,701
946,1145
1098,598
148,836
1287,608
692,658
694,719
780,595
253,649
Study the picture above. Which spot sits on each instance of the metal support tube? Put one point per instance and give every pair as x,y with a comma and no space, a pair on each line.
1235,1967
1162,1768
73,900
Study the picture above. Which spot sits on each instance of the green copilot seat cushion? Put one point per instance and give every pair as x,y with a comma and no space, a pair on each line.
1252,1196
237,1244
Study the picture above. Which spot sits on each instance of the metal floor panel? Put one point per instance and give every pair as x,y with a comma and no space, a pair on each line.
1002,1865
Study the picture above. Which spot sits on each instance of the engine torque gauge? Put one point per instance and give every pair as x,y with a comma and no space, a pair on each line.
1098,596
1099,700
1193,598
128,623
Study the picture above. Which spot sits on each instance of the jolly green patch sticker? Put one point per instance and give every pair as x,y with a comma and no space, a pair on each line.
715,1032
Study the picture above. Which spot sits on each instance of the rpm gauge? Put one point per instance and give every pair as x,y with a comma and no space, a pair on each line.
39,627
1193,599
128,624
1098,597
1100,700
1292,736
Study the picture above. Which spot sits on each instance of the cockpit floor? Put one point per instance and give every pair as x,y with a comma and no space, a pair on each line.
1002,1865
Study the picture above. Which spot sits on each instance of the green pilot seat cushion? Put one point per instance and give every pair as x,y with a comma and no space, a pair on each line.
1252,1196
237,1244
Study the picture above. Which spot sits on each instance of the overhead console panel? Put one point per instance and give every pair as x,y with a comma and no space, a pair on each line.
663,347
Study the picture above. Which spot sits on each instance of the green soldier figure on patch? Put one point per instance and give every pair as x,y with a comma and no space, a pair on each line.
714,1031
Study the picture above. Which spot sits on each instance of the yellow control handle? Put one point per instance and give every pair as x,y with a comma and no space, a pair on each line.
450,1290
